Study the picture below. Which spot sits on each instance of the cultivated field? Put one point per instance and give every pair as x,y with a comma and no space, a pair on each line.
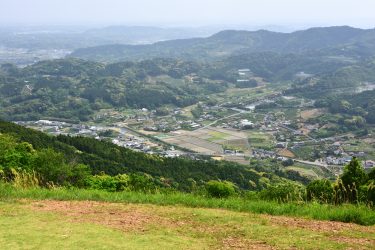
259,139
208,140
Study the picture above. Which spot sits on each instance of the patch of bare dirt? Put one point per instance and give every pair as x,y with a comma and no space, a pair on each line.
124,218
359,242
240,243
333,227
286,153
311,113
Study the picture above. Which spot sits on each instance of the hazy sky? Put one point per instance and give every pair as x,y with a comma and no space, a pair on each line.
359,13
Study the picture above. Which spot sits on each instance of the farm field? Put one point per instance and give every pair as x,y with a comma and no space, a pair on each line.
356,145
208,140
259,139
47,224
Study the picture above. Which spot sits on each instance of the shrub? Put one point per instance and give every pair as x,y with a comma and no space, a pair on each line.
367,193
283,192
353,177
220,189
340,192
371,174
320,190
122,182
108,183
53,169
142,182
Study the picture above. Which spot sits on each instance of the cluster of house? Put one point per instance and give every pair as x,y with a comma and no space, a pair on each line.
56,127
263,154
338,160
138,144
244,75
345,160
162,127
239,124
233,152
189,124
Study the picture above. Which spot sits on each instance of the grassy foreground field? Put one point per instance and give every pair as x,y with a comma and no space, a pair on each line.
91,219
51,224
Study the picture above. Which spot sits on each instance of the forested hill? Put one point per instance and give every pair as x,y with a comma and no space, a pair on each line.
342,40
75,89
64,152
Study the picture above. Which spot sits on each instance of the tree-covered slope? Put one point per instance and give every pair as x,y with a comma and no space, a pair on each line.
100,156
74,89
341,81
227,42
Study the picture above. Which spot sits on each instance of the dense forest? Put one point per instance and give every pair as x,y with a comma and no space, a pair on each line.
74,89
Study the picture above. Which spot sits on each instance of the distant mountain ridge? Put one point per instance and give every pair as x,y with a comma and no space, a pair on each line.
66,38
226,42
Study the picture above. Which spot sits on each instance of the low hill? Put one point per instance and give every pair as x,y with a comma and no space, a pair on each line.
227,42
70,38
75,89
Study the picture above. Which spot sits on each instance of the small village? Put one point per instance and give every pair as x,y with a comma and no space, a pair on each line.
238,126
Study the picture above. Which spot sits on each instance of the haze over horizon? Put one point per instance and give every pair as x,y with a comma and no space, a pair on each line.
288,14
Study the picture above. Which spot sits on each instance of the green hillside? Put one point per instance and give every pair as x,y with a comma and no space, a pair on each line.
227,42
104,157
75,89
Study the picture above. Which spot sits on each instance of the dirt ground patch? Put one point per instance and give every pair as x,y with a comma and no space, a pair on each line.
240,243
124,218
201,223
356,241
333,227
311,113
286,153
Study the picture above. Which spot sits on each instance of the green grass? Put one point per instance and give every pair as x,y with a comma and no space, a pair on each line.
259,139
309,173
360,145
217,136
24,228
61,218
30,224
359,214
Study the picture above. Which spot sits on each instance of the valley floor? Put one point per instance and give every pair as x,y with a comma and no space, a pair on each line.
47,224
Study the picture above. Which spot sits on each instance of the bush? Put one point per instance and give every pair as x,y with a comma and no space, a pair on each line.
53,169
108,183
320,190
220,189
142,182
122,182
367,193
283,192
353,177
